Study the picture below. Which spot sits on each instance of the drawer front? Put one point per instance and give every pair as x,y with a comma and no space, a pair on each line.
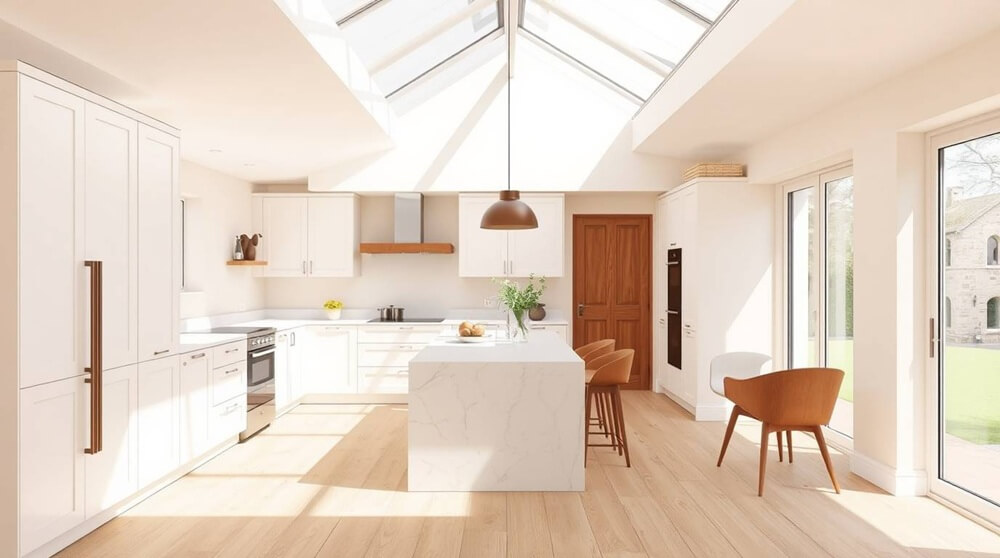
227,419
404,334
229,353
228,382
383,380
387,354
559,330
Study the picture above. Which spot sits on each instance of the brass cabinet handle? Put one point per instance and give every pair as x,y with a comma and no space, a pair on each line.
96,367
199,355
155,353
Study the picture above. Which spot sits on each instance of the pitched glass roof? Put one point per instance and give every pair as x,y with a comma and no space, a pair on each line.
631,45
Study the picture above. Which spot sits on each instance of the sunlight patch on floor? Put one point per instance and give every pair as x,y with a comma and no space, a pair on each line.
341,501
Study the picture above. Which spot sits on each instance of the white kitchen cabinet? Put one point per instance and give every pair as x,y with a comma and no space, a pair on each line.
287,371
195,392
159,419
296,381
52,277
308,235
227,419
284,224
539,251
53,429
113,473
497,253
111,221
481,252
561,330
159,242
330,360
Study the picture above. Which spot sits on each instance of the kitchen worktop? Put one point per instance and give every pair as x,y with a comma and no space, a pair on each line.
197,341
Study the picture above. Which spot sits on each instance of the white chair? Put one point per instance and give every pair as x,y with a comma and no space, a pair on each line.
735,365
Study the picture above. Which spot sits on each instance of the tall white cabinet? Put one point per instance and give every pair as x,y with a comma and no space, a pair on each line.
81,178
517,253
724,228
308,235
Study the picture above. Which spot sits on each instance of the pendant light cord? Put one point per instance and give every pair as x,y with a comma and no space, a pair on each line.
509,84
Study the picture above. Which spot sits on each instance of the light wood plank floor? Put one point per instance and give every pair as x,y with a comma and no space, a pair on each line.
329,480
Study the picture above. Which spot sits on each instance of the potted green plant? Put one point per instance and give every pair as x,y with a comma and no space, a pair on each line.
519,301
333,308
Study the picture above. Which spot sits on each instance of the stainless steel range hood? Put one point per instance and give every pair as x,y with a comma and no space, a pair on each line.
408,230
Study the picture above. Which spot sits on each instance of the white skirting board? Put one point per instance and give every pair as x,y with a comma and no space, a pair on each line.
893,481
701,413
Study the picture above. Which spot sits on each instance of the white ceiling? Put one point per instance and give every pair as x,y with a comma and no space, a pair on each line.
817,53
233,75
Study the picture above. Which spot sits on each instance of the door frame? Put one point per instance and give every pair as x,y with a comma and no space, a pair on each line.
647,382
950,494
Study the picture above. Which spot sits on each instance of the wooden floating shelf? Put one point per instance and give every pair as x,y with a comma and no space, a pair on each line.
246,262
407,248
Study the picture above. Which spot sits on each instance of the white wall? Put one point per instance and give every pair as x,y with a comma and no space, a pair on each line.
217,208
428,284
882,132
569,132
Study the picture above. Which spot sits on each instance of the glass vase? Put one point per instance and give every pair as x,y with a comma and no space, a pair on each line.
519,330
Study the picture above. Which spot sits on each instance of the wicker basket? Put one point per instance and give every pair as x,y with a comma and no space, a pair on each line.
714,170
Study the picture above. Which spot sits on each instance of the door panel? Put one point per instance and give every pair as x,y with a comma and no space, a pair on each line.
539,251
159,419
285,231
112,226
52,278
481,252
612,282
112,474
331,224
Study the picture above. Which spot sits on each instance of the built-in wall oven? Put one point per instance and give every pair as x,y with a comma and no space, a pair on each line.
260,376
674,295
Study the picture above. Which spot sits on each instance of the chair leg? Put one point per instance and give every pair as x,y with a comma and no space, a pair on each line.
617,394
788,435
729,434
818,430
616,438
781,453
606,417
586,427
601,420
764,436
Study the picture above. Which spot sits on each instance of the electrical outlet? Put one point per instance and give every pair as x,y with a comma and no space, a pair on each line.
490,302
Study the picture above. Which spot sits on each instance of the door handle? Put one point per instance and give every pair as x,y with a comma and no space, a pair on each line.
96,367
303,267
310,267
673,312
579,310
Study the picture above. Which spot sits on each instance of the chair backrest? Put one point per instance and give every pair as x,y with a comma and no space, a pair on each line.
734,365
613,368
797,397
590,351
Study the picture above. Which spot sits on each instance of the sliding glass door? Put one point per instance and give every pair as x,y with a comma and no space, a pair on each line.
820,280
968,302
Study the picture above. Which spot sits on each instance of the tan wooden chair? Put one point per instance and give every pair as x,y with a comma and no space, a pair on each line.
588,353
800,399
610,372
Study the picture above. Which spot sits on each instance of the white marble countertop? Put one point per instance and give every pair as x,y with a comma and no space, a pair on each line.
197,341
541,347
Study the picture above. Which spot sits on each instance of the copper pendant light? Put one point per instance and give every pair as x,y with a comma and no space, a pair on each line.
510,213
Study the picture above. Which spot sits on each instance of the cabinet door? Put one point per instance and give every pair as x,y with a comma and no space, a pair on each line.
560,330
333,243
159,419
687,384
159,243
111,222
296,379
195,402
113,473
52,280
284,226
52,433
481,252
540,251
330,360
282,386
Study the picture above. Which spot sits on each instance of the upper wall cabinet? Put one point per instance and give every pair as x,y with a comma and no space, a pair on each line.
492,253
308,235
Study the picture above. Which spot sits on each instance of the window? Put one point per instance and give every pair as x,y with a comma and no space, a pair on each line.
993,250
820,281
947,252
993,313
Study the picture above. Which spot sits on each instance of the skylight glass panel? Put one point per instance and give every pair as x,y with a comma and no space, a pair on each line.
710,9
633,43
401,40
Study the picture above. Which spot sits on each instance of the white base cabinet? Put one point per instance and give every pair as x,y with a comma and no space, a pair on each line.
159,419
195,390
113,473
288,388
329,360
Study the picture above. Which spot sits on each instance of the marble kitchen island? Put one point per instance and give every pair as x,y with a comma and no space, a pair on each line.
496,417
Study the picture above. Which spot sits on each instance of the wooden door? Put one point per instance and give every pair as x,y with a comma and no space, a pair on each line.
53,282
111,220
331,240
285,230
612,285
159,243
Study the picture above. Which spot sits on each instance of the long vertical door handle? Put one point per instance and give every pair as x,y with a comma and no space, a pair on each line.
96,367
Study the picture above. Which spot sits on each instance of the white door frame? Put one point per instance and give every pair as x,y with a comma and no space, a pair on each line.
983,125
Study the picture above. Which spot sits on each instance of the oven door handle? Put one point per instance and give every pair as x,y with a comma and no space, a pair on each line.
261,353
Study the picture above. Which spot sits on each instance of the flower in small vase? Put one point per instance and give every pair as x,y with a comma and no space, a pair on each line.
519,301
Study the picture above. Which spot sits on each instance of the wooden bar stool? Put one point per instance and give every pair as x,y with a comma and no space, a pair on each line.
610,372
589,353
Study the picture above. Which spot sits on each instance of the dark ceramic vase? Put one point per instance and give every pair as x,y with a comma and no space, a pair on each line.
537,313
